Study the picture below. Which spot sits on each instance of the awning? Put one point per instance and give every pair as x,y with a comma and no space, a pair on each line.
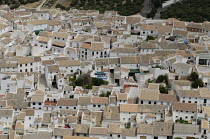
59,44
134,71
37,31
100,73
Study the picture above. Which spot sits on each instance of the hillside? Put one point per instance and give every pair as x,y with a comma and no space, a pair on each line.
16,3
189,10
124,7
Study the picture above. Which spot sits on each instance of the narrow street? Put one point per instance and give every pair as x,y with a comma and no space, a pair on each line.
40,6
42,84
147,7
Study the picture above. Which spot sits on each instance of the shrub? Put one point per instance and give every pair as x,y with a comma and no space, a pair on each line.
193,76
163,90
79,82
99,82
196,83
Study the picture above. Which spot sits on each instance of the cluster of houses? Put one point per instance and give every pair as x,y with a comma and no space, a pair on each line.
40,50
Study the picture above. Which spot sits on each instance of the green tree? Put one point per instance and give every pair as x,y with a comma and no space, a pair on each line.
163,90
178,138
90,86
99,82
108,93
72,78
152,13
79,82
102,95
160,79
150,38
196,83
193,76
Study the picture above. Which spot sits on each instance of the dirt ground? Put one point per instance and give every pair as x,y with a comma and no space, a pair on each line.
33,5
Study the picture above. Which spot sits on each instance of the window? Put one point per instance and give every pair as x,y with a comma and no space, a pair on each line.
29,118
75,107
40,103
99,105
110,135
26,64
6,117
31,64
118,136
67,107
94,105
34,103
20,65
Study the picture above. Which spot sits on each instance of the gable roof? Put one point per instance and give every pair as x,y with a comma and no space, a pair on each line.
186,128
185,106
67,102
129,108
98,130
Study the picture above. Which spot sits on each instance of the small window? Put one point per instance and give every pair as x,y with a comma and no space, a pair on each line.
118,136
40,103
34,103
99,105
94,105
